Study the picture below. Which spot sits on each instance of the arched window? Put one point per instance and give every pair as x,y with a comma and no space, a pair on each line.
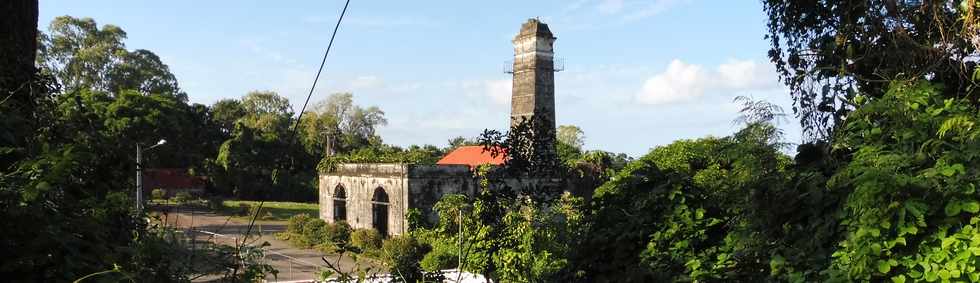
379,211
339,204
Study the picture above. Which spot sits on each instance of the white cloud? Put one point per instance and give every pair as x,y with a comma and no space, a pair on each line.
680,82
373,22
257,46
363,82
652,8
608,7
499,91
683,82
574,6
747,74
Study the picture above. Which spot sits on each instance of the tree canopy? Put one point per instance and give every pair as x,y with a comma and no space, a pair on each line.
829,51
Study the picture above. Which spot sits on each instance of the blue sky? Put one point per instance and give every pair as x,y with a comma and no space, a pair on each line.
637,73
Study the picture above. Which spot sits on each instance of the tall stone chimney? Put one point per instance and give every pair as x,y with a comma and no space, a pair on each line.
533,91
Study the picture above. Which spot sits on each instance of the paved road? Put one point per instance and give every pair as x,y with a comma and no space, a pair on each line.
293,263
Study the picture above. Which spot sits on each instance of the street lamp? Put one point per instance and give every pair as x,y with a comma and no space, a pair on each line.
139,173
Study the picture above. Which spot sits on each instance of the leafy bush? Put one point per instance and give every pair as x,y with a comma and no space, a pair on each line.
158,194
182,197
294,230
686,212
402,254
913,208
441,257
338,233
215,203
315,232
366,240
295,224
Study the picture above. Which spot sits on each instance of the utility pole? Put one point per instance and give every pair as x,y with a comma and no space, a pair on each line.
139,173
139,178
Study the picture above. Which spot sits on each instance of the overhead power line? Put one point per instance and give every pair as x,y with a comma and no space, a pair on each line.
320,70
292,136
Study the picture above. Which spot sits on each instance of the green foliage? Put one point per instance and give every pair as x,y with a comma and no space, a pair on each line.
338,234
366,240
182,197
65,163
305,231
296,224
530,243
402,255
276,209
158,194
461,141
571,135
829,51
257,159
913,206
425,155
315,232
682,212
441,257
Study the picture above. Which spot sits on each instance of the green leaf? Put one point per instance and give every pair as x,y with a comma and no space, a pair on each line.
898,278
944,274
884,267
971,206
953,208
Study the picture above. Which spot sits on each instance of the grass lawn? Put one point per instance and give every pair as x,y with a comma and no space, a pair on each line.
271,210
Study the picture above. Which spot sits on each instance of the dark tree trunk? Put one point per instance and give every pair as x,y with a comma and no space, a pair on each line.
18,78
18,42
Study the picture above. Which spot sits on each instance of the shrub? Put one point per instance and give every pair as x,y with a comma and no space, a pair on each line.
439,259
315,232
244,209
295,223
402,255
366,240
182,197
254,210
339,233
158,194
215,203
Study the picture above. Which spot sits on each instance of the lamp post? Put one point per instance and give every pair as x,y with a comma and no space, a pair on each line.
139,173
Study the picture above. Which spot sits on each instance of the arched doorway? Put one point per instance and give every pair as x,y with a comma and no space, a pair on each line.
339,204
379,211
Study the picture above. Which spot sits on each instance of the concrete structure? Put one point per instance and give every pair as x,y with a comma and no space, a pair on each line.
380,195
533,90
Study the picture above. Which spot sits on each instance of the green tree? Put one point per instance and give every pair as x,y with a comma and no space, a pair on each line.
82,55
460,141
681,212
225,113
829,51
355,125
912,208
571,135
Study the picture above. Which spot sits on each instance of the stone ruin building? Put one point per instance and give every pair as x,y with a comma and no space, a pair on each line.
380,195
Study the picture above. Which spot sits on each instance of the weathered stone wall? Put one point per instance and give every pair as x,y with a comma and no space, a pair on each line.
533,90
407,186
360,182
427,185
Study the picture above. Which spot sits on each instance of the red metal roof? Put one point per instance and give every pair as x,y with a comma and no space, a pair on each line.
470,155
